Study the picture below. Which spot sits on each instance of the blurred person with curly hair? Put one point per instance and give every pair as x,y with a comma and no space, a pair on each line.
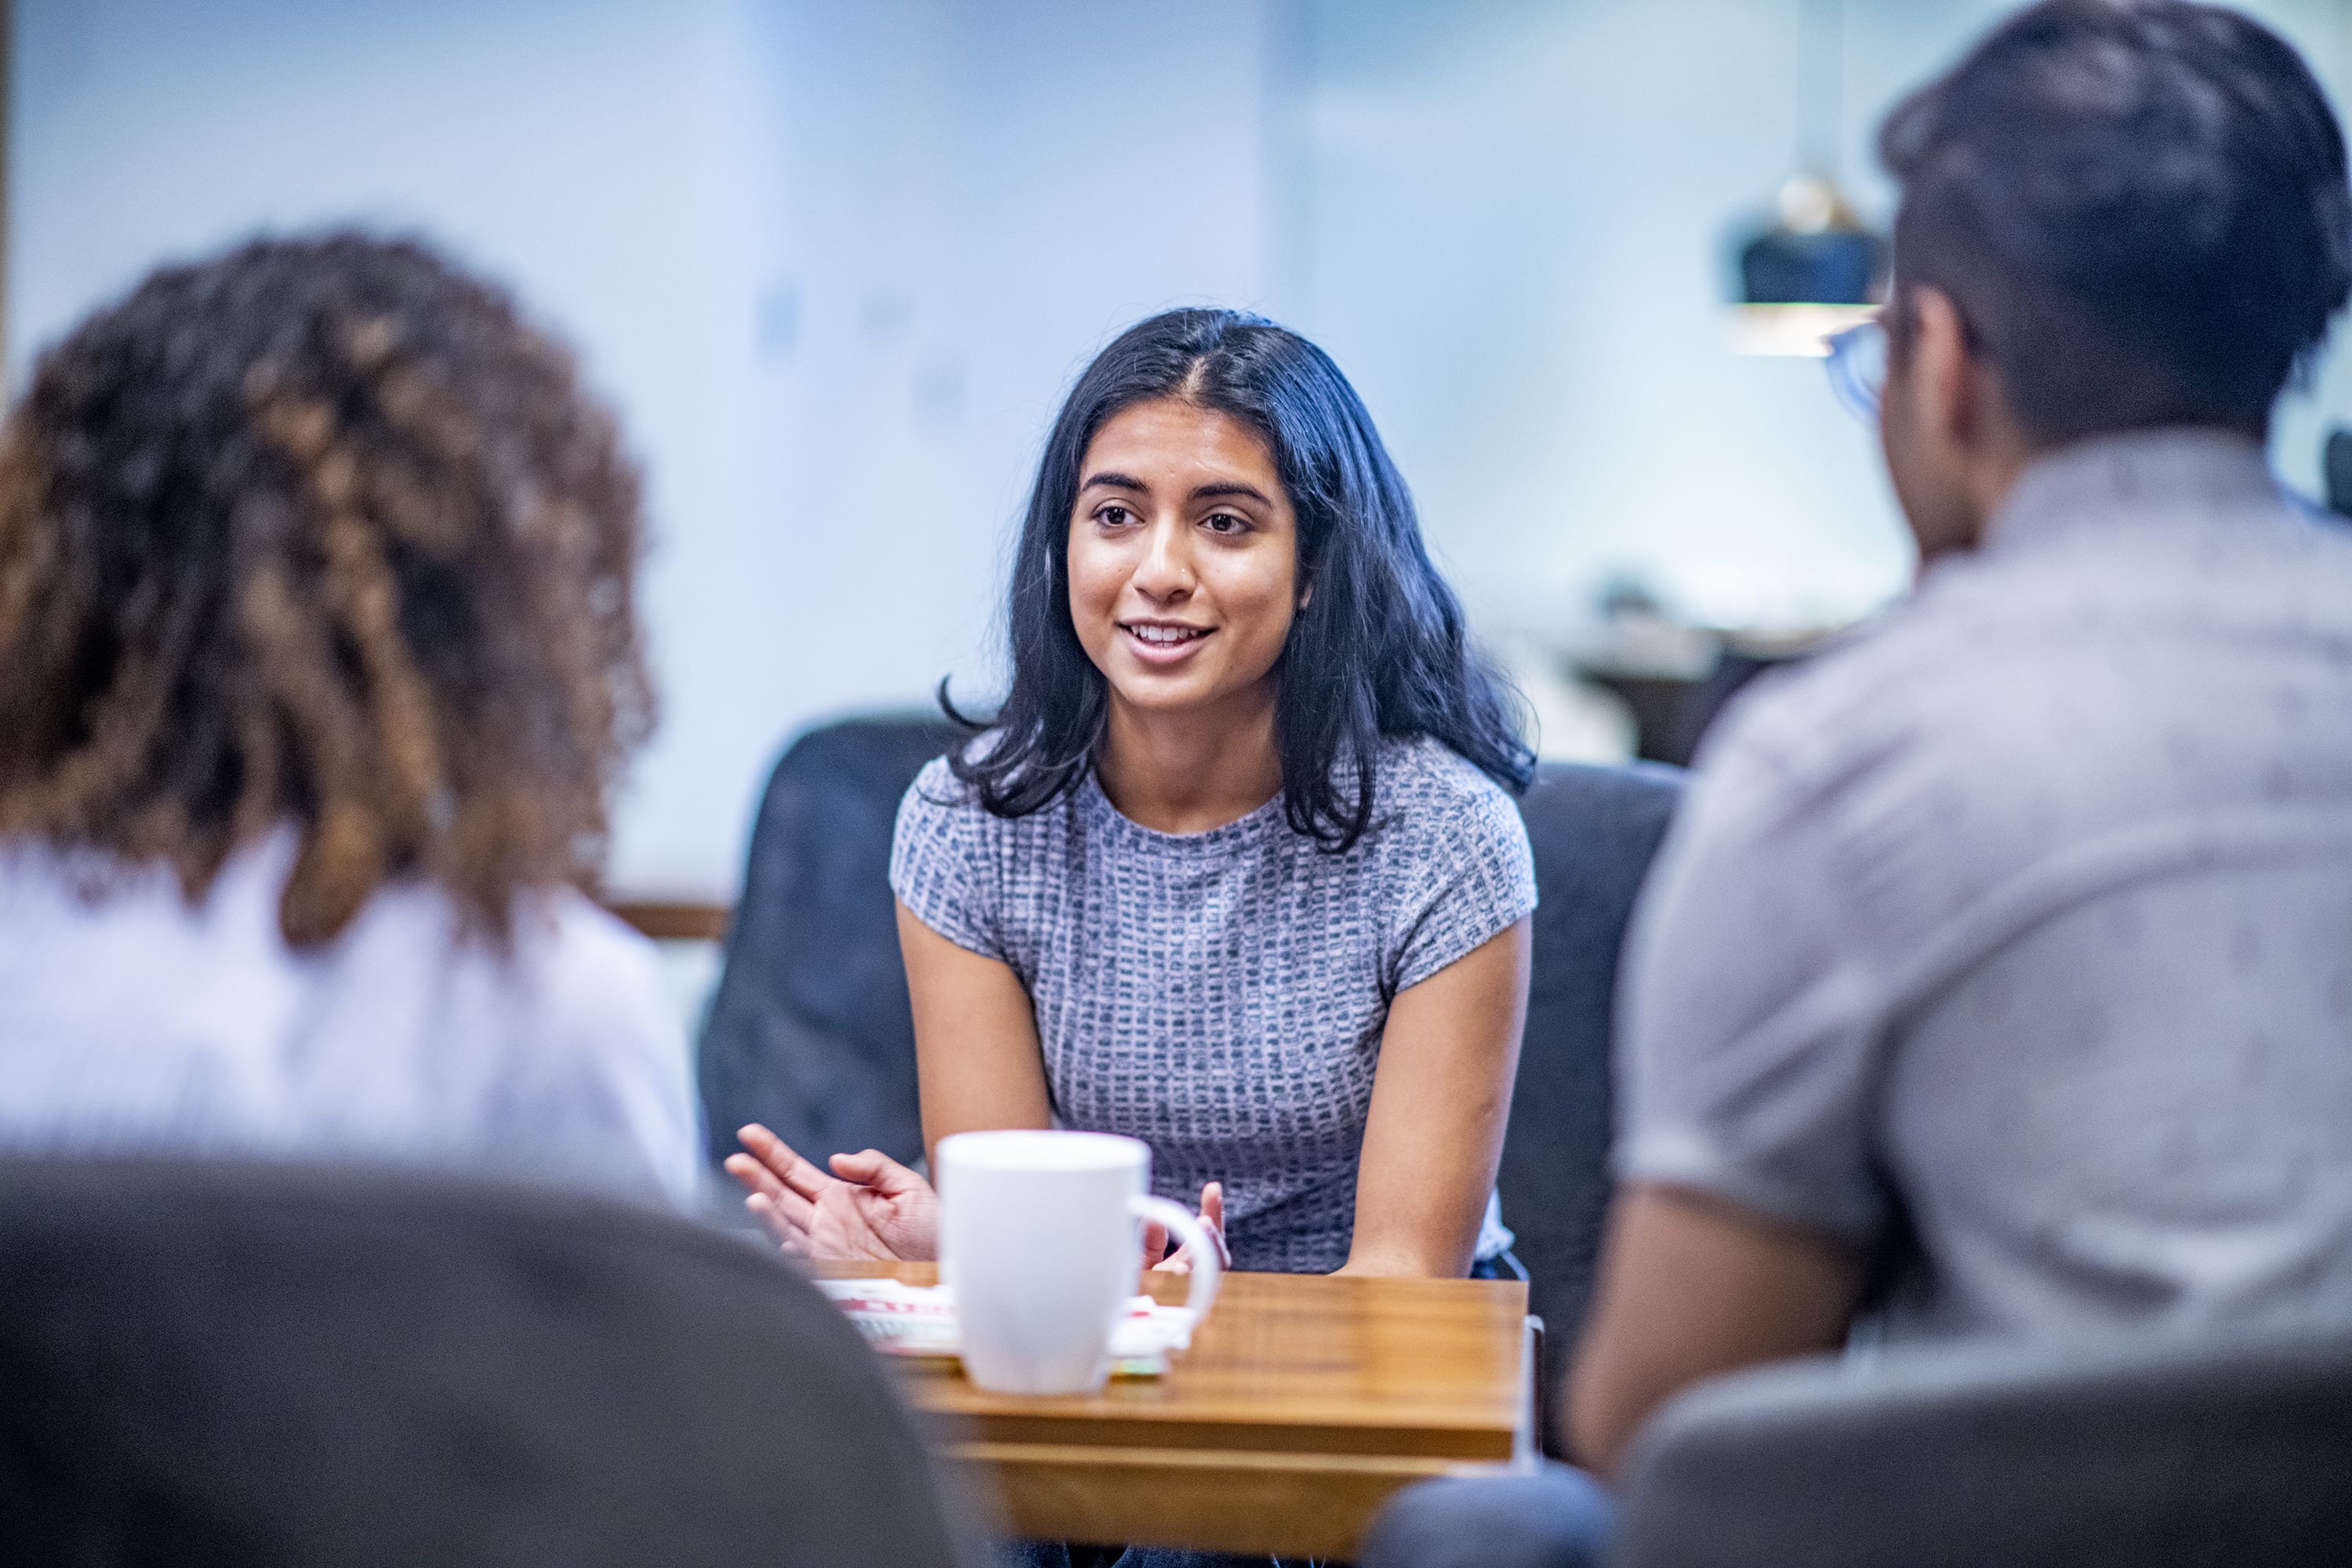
318,659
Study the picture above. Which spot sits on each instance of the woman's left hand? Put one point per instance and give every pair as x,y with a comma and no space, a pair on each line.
1212,1220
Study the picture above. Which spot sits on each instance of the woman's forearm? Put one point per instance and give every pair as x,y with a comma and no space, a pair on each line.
1440,1100
1400,1258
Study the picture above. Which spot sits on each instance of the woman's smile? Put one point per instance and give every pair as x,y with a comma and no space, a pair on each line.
1164,642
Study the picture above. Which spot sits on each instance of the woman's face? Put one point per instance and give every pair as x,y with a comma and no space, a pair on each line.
1183,557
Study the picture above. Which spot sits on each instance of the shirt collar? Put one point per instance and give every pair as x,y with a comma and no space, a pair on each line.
2127,477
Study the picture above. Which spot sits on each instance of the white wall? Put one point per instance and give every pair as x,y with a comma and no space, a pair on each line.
835,259
956,205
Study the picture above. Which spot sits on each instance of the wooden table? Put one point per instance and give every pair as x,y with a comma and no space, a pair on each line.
1305,1401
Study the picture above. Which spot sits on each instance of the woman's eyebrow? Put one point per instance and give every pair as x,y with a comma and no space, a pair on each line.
1116,481
1230,488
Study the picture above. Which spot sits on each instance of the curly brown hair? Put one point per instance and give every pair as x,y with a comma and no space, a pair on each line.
319,532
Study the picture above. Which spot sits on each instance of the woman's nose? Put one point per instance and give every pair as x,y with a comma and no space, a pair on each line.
1165,571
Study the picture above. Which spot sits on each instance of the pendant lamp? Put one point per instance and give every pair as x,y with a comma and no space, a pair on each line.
1815,269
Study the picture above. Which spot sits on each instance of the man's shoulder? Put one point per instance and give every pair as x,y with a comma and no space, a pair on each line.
2017,708
1863,690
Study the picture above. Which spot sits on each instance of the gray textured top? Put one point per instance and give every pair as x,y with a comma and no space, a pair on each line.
1221,995
2031,912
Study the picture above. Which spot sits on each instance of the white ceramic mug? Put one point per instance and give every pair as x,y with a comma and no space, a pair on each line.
1038,1237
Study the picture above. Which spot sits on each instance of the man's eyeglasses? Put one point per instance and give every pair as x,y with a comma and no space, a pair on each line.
1857,367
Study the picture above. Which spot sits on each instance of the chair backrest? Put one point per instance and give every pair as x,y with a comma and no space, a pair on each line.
810,1030
2186,1454
282,1364
1594,831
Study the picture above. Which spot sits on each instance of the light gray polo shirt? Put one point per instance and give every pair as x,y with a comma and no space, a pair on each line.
2028,914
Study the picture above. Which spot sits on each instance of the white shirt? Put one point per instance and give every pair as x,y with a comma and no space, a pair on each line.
132,1022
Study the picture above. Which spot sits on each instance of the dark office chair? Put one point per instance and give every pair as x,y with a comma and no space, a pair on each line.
274,1364
2236,1453
1593,831
810,1031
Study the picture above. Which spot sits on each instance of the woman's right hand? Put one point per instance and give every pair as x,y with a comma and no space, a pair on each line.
870,1206
1157,1256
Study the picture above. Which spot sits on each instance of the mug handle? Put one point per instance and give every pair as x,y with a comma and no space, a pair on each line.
1208,1266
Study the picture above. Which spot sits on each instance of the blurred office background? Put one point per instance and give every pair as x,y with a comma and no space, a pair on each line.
837,262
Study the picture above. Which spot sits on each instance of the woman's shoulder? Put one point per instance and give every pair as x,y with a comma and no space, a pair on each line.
1427,783
595,978
1433,808
939,806
936,791
568,976
957,865
937,788
583,942
1451,853
947,838
585,994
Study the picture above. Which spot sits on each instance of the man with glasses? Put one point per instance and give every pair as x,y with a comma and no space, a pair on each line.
1996,979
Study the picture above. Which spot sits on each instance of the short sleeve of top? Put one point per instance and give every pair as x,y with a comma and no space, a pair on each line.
937,855
1461,860
1748,1022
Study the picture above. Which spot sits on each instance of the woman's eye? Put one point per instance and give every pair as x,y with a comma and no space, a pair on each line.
1114,517
1226,523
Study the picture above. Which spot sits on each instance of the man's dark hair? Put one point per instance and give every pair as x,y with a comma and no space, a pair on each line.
2140,210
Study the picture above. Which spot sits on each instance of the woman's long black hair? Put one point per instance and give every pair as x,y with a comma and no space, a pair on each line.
1378,650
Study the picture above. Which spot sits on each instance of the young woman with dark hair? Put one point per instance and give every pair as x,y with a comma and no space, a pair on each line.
1235,869
318,656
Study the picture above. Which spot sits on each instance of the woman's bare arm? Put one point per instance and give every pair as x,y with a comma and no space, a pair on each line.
976,1051
1439,1102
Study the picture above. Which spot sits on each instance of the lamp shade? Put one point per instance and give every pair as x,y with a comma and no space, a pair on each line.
1807,276
1832,266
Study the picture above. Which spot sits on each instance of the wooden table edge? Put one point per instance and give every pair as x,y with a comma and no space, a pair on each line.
1315,1499
1252,1501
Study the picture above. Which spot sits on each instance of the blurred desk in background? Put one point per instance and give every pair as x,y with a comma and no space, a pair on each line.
674,921
1673,709
1305,1401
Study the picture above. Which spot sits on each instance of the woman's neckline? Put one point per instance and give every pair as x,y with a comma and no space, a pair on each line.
1247,822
